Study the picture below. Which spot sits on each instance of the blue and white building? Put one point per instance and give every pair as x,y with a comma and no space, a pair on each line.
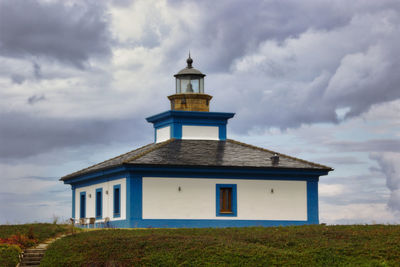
192,175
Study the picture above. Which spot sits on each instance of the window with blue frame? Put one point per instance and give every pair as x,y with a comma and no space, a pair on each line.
226,200
99,203
117,200
82,205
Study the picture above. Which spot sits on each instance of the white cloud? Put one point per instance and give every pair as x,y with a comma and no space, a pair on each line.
329,190
356,214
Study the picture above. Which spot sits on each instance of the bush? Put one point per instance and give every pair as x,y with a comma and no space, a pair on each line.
9,255
20,240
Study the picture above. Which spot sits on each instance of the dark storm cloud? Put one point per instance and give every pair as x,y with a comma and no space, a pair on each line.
23,135
68,32
354,67
230,30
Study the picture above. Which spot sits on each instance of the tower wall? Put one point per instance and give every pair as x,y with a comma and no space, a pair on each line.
190,102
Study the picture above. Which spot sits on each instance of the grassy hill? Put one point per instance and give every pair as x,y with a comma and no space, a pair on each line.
15,238
316,245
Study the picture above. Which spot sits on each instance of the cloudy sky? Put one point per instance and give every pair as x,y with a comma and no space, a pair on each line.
313,79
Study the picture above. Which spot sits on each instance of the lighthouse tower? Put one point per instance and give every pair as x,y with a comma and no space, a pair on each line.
190,116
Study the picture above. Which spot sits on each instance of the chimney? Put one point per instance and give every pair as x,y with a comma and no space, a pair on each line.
275,160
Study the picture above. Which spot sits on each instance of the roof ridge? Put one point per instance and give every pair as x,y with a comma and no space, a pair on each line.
156,146
273,152
76,172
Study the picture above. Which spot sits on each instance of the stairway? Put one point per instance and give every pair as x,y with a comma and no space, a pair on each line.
32,256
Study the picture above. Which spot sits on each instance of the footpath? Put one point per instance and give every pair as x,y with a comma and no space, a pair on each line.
32,256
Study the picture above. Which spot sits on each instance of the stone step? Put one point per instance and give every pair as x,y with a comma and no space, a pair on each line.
30,263
34,250
33,258
33,254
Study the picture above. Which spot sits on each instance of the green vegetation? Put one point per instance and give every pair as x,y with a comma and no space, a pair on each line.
38,231
9,255
316,245
14,238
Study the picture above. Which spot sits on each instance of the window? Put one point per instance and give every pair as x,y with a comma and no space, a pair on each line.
99,200
82,205
226,200
117,200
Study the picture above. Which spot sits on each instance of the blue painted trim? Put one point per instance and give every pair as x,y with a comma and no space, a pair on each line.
134,199
171,223
222,132
99,176
226,172
312,202
117,213
176,129
82,207
243,172
137,197
233,200
73,203
99,202
128,197
189,114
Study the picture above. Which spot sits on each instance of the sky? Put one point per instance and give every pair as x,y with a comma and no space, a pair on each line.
318,80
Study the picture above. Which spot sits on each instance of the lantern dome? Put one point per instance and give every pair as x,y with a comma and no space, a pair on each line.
189,90
189,80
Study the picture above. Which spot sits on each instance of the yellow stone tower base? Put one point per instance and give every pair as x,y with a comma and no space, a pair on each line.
190,102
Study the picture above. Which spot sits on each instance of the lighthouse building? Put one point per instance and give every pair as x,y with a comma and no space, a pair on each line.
192,175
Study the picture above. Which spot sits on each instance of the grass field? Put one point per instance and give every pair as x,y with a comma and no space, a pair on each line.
15,238
317,245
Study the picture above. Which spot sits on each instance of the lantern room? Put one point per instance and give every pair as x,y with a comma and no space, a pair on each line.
189,79
189,90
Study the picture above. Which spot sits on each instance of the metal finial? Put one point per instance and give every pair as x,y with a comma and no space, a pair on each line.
189,61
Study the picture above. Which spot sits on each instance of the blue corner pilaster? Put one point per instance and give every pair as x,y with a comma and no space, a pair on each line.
176,130
222,132
312,202
73,202
134,204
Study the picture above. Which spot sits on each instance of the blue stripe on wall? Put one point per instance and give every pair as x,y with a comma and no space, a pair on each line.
73,203
137,197
153,223
312,202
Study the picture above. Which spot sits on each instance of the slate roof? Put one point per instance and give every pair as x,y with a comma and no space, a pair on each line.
206,153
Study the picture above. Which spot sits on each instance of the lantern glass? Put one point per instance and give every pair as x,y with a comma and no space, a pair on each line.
189,84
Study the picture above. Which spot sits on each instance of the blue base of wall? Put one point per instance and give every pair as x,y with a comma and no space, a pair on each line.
197,223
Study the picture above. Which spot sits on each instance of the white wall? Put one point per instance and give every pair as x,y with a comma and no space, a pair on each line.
197,199
200,132
163,134
107,199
